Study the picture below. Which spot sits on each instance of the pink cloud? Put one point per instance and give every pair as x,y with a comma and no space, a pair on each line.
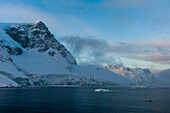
161,59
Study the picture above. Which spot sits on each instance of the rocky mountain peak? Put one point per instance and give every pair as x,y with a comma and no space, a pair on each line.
37,36
40,25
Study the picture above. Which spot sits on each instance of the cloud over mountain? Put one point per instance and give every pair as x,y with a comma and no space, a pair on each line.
97,50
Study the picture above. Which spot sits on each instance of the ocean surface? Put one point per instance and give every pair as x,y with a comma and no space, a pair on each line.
84,100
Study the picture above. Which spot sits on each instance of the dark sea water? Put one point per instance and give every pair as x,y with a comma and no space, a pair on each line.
84,100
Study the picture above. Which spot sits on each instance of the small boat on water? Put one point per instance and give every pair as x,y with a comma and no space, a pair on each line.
102,90
148,100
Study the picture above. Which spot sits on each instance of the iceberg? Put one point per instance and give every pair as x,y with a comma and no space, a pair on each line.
102,90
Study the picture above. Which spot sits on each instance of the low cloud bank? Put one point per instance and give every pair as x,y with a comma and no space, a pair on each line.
97,51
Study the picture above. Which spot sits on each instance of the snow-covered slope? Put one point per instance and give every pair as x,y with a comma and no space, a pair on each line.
101,73
41,63
8,68
137,76
7,82
5,66
164,78
7,42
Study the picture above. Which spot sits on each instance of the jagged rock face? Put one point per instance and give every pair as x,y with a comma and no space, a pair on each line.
4,56
14,51
38,36
138,75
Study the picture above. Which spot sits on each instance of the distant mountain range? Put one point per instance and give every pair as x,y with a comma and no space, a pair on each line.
31,56
138,76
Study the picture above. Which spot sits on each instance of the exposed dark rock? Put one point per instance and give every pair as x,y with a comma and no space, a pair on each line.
40,25
14,51
19,36
4,56
22,81
19,80
37,36
147,71
51,53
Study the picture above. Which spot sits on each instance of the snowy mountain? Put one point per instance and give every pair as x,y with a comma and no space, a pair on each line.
137,76
31,55
164,78
37,36
8,69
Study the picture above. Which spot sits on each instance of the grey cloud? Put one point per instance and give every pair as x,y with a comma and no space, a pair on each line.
97,51
79,44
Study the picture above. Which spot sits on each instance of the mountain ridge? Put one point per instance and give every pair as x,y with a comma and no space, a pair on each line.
138,76
31,55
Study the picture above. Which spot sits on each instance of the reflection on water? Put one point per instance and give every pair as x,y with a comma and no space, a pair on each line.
84,99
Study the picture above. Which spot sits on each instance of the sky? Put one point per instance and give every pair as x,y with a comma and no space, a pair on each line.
133,33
